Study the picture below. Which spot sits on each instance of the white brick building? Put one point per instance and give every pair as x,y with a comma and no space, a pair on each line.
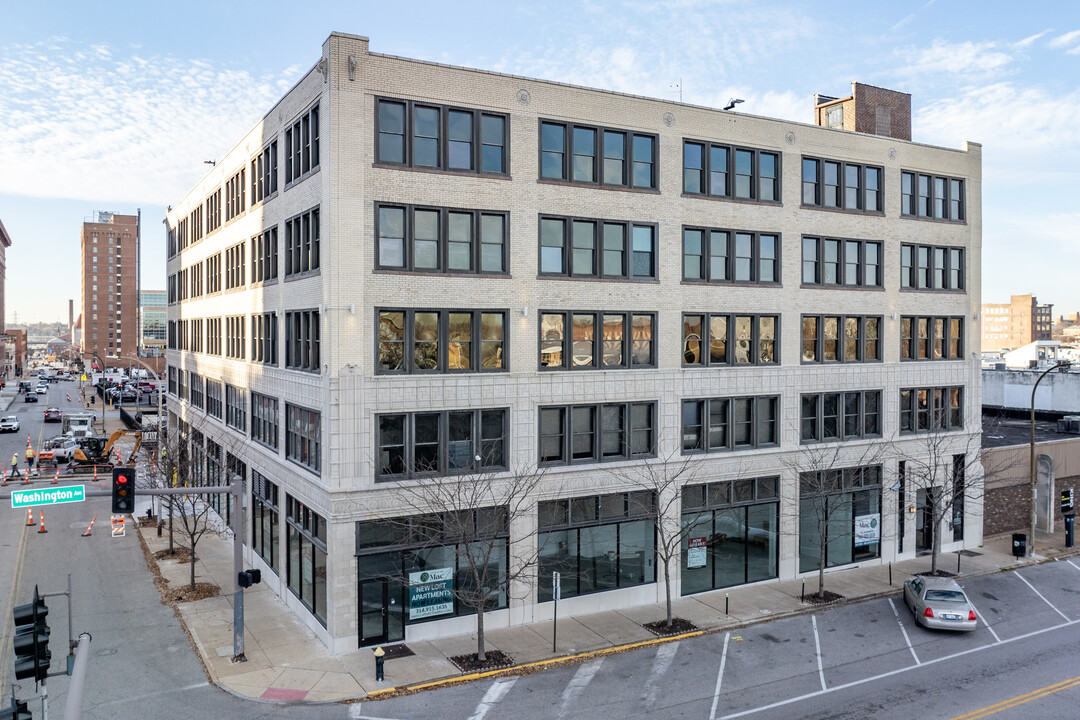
594,239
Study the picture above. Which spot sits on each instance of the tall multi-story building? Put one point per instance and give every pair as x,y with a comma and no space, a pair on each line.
109,297
5,243
152,319
408,273
1022,320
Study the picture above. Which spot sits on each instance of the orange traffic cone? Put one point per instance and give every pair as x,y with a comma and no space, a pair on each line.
4,484
87,533
30,517
26,477
42,529
95,474
56,477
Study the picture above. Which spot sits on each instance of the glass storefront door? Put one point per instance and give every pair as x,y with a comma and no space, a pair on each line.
381,612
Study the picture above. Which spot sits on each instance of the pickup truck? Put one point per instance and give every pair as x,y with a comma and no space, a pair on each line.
57,450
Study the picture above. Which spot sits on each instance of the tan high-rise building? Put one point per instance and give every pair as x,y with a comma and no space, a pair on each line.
109,297
1022,320
5,243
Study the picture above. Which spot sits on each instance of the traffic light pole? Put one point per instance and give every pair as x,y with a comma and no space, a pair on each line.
73,709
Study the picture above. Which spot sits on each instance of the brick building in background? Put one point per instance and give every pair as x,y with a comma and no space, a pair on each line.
109,300
1022,320
5,243
870,110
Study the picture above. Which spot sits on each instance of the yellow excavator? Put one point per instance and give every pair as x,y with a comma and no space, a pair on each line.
98,450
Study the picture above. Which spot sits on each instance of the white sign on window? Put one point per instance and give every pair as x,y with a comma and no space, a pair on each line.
695,553
867,529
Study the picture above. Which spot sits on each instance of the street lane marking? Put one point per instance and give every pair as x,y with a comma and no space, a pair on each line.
719,677
904,631
491,698
898,671
1041,596
1020,699
817,647
985,621
664,655
1073,564
578,683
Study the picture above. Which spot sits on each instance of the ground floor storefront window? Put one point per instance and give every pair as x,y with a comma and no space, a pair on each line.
306,557
730,533
407,577
839,517
596,543
264,517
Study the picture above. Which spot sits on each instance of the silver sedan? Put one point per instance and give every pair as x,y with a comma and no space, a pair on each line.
939,603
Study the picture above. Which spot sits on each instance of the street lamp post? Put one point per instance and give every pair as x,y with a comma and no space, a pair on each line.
96,357
1034,504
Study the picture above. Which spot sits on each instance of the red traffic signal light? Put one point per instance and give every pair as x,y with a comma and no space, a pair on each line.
123,490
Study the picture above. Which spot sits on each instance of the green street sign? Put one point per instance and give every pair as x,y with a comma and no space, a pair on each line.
47,496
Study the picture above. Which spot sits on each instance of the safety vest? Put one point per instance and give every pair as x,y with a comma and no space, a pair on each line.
14,460
29,453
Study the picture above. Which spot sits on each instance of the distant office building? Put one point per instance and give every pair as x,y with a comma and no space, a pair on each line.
871,110
15,360
1006,326
109,262
152,304
5,243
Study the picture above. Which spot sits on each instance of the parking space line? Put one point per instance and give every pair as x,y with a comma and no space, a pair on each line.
494,694
898,671
904,631
664,655
1073,564
817,647
719,677
985,621
578,683
1041,596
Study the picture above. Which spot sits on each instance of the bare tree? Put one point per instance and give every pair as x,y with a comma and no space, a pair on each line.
663,478
828,473
476,520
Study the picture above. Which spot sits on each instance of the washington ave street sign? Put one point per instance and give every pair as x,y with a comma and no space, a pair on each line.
47,496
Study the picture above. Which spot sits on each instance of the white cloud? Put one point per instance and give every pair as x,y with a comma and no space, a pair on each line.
948,60
1066,40
139,125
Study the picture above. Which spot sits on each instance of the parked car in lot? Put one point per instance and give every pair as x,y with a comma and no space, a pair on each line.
53,414
30,397
939,603
9,423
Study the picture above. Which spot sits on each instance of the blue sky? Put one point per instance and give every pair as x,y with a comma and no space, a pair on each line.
117,108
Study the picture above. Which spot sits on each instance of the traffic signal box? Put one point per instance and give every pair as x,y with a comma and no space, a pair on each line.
123,490
32,656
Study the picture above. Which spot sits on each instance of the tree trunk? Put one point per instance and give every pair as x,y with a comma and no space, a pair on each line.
821,566
191,562
667,589
935,547
481,652
171,549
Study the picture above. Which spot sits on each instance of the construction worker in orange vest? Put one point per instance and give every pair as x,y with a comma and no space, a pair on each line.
29,458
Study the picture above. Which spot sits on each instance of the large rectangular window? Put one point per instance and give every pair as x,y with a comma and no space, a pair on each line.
930,196
584,247
730,256
571,434
836,262
236,407
597,340
712,340
438,137
839,517
596,543
842,186
934,409
214,395
305,567
441,341
928,267
451,442
264,338
598,156
734,533
714,170
730,423
264,256
303,436
302,146
931,338
841,338
264,419
235,195
265,530
833,417
235,332
302,340
302,243
442,240
264,174
235,266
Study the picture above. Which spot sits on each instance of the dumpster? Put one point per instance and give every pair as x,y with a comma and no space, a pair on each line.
1019,545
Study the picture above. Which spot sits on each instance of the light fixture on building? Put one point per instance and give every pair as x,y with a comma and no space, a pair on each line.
210,162
525,311
732,103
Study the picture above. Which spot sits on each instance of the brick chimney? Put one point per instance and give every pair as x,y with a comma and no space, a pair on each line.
871,110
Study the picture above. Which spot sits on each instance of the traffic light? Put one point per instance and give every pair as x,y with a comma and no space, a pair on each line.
32,656
123,490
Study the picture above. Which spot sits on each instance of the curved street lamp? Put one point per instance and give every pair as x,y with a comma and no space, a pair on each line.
1065,364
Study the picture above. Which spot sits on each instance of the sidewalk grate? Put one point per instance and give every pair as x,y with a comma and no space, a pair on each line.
969,553
401,650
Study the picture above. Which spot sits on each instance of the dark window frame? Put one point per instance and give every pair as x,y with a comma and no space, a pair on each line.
707,172
598,341
599,272
919,206
730,340
704,444
409,138
819,185
408,445
841,339
629,158
443,341
916,347
818,435
730,259
931,409
443,267
918,277
626,430
842,262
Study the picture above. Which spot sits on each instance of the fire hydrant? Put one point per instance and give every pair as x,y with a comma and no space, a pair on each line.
380,658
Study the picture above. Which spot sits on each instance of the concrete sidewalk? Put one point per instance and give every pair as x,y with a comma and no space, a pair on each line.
286,662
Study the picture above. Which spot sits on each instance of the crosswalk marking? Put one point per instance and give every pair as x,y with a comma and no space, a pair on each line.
578,683
494,694
664,655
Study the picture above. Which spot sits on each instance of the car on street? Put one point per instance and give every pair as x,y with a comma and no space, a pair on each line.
42,389
53,414
9,423
939,603
30,397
